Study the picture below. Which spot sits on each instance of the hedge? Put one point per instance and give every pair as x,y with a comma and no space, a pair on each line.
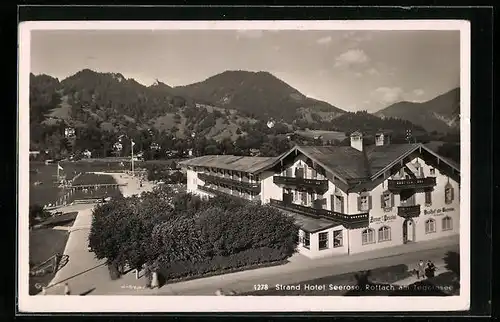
250,257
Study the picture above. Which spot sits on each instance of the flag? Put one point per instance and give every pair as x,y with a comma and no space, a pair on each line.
59,167
133,143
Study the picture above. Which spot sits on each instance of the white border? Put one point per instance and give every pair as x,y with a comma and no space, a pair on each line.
70,304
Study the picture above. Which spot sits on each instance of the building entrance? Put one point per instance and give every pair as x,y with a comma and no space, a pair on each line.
408,231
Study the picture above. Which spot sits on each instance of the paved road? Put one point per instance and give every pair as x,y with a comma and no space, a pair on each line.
303,269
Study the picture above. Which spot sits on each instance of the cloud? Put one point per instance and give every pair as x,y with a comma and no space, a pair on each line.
351,57
418,92
372,71
324,40
388,95
358,74
248,33
358,36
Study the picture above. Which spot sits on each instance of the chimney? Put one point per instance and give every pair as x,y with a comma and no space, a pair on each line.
382,139
357,140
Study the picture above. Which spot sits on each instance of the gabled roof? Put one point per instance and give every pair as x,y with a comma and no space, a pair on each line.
349,164
231,162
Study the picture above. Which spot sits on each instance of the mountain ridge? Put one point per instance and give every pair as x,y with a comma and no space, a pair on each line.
443,111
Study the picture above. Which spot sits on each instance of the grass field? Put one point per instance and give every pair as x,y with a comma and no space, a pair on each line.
44,243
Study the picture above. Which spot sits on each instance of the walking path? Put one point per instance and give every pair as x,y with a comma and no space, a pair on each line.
129,185
83,272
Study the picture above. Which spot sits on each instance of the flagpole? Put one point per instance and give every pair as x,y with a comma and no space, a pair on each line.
58,171
132,144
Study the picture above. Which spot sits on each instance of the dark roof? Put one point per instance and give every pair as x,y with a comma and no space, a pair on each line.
349,164
231,162
344,161
380,157
309,224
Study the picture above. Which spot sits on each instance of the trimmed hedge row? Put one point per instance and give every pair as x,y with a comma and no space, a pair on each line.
250,257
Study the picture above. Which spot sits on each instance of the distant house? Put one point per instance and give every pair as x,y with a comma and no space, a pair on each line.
34,154
254,152
69,132
87,154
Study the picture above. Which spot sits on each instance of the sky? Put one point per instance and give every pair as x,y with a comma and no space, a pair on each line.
352,70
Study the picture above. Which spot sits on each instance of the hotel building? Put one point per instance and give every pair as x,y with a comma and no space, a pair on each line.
345,199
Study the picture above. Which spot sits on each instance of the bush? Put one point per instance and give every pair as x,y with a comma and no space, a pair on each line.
182,269
162,228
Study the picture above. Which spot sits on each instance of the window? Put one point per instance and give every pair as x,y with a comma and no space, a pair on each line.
430,226
446,223
339,204
307,239
337,239
314,174
448,194
384,234
433,171
323,240
364,202
387,200
368,236
428,198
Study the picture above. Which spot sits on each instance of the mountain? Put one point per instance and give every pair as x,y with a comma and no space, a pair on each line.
440,114
232,107
259,94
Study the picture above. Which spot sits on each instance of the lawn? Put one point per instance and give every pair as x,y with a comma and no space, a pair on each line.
66,219
330,285
44,243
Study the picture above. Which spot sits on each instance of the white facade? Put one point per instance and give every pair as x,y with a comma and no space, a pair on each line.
387,225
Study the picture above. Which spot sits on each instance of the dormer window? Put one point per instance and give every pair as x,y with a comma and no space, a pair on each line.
433,172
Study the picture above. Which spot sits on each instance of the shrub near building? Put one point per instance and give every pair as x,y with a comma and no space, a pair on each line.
182,235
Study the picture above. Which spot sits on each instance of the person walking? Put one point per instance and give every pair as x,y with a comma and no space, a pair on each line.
430,269
66,289
420,269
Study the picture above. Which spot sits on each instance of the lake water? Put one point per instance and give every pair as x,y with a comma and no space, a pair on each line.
48,191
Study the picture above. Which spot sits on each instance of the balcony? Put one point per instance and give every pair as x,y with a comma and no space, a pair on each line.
222,193
416,184
315,184
348,221
409,211
253,187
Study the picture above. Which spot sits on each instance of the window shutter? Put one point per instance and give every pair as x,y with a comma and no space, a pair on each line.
369,202
392,200
342,204
359,203
382,199
452,193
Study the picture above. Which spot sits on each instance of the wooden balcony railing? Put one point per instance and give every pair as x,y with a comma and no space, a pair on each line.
316,184
223,193
253,187
348,221
416,183
409,211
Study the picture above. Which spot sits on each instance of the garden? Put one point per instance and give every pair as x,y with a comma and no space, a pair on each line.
182,236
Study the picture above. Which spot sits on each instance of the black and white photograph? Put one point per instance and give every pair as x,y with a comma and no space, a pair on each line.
244,166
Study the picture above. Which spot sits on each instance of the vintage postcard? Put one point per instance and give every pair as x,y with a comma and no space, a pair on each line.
236,166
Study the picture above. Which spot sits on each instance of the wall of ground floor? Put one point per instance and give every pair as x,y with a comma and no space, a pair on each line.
382,233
